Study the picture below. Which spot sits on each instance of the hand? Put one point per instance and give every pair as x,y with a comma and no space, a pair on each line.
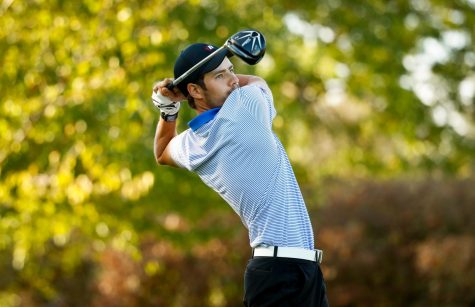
165,104
166,100
174,94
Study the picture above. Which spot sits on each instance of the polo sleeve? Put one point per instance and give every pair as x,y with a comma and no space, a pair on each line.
179,151
269,101
259,102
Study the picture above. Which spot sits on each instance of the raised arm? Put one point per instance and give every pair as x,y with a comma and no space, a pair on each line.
164,133
249,79
168,102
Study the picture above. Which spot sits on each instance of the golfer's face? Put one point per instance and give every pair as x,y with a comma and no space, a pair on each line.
220,83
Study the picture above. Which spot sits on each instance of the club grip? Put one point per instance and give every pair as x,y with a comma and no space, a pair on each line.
170,86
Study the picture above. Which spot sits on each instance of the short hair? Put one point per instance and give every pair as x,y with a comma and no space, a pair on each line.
201,83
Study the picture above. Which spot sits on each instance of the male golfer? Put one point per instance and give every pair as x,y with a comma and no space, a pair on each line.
231,146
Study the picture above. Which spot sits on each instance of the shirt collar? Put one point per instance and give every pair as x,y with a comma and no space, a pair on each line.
203,118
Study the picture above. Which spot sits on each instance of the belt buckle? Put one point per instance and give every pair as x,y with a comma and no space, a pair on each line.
318,256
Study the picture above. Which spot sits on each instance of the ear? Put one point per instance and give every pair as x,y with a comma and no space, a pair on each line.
195,90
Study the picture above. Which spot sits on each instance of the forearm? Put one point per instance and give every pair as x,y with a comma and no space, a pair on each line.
168,101
164,133
249,79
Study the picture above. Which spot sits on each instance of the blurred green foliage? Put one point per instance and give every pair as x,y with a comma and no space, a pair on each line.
363,89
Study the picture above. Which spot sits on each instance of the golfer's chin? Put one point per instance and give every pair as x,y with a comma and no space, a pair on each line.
231,90
226,96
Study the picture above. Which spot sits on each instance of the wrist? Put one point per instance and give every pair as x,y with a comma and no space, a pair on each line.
169,117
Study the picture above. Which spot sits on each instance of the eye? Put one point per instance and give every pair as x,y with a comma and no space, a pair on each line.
219,76
231,69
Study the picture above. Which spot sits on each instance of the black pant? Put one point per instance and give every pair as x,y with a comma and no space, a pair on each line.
270,281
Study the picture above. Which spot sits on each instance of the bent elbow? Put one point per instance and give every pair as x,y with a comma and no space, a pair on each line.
164,160
160,160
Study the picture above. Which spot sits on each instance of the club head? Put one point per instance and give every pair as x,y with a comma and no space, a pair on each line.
248,45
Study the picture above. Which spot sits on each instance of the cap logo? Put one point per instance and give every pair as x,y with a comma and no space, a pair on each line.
209,48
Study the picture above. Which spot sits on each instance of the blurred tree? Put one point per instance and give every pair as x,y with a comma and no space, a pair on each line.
390,85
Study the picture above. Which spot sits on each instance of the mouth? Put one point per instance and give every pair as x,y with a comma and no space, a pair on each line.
235,86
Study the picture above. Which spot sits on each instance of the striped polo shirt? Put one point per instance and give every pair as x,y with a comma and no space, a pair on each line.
235,152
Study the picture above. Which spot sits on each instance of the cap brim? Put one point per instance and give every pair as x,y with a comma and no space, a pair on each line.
210,65
214,61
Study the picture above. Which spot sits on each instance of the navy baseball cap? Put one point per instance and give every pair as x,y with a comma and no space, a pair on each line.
192,55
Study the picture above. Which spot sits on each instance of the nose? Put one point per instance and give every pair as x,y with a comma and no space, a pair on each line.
234,79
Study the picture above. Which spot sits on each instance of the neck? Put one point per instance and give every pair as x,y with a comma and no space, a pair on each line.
201,107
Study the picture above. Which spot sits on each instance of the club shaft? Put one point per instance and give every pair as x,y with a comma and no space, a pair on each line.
192,69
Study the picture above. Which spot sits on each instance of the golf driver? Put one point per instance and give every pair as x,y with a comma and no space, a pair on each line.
248,45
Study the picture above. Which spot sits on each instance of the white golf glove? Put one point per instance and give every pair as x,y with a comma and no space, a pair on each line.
168,109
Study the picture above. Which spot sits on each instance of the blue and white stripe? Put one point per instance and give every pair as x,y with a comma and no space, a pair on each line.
235,152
